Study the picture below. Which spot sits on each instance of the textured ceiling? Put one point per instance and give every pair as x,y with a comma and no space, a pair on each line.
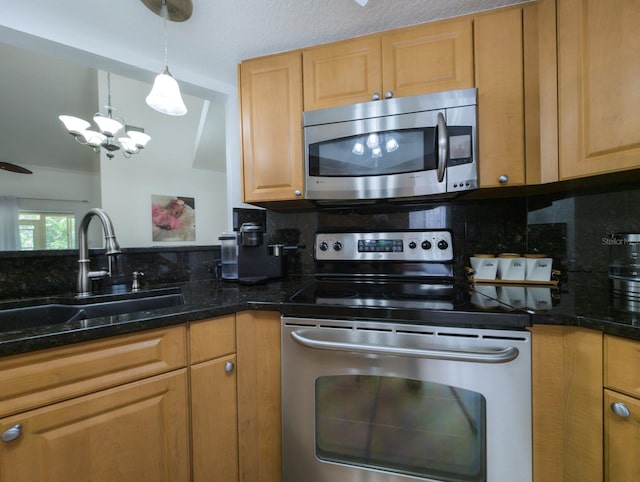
220,33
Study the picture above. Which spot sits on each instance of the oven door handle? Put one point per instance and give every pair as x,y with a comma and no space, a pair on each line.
313,339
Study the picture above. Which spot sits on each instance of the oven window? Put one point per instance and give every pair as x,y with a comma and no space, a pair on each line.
401,425
375,154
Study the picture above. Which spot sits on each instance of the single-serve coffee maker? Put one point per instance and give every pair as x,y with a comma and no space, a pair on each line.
246,258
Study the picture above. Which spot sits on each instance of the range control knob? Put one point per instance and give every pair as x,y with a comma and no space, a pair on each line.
323,246
442,244
412,244
426,244
337,246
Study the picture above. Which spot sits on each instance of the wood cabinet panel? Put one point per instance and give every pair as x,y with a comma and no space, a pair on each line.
47,376
214,421
621,439
271,108
567,404
622,365
541,92
499,79
133,433
341,73
259,396
212,338
429,58
598,71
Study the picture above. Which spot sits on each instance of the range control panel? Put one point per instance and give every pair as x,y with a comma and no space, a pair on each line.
428,245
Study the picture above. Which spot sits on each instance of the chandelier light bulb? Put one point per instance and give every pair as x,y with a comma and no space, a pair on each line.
107,125
358,149
74,125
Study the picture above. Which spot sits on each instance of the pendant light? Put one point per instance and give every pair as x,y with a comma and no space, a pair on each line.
165,94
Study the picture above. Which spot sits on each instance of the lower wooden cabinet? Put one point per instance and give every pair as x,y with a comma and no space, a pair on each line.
567,404
214,413
137,432
259,396
134,408
621,409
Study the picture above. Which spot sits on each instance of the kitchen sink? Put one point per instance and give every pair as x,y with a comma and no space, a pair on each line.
67,310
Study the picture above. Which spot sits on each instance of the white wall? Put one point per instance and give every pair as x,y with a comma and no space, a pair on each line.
164,167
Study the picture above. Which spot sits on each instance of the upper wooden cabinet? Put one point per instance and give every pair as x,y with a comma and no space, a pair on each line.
598,95
417,60
499,76
271,113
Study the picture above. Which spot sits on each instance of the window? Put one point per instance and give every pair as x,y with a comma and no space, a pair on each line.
40,230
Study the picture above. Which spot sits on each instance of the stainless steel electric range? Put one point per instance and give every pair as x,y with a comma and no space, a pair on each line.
392,372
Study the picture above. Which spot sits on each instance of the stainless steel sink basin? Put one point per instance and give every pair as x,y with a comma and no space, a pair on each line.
68,310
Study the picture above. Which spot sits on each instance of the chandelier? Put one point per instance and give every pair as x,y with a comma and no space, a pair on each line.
112,134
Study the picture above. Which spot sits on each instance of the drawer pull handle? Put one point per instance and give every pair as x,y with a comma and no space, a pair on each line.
12,433
620,409
228,367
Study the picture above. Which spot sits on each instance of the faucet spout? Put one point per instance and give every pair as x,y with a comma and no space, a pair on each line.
85,275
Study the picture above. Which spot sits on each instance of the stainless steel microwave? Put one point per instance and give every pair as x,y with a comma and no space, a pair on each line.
400,148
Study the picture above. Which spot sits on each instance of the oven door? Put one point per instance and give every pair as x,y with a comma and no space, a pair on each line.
377,402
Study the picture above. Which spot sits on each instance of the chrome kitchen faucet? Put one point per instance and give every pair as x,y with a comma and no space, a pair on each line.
111,245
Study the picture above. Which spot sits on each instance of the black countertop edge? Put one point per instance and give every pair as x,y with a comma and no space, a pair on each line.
208,299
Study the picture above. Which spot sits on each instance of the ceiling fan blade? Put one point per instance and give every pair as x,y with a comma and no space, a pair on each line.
7,166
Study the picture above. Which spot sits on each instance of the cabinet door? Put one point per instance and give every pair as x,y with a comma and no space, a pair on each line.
133,433
433,57
598,95
341,73
621,438
214,420
271,109
499,79
259,396
567,404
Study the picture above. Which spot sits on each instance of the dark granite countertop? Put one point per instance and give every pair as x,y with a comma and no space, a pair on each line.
582,300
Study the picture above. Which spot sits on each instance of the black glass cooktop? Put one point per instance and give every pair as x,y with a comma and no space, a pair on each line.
438,301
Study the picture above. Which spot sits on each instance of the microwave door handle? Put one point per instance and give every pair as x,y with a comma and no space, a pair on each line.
443,147
500,355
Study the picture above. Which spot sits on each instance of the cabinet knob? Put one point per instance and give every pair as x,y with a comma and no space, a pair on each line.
503,179
12,433
389,94
375,96
620,409
228,367
297,192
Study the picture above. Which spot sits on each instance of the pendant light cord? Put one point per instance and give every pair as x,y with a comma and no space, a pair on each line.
165,14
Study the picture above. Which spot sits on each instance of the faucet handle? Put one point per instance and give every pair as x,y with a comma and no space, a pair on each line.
135,286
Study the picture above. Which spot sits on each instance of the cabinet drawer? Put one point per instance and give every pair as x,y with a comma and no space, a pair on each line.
43,377
212,338
622,365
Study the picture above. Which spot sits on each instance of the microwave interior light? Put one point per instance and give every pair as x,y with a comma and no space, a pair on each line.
358,149
372,140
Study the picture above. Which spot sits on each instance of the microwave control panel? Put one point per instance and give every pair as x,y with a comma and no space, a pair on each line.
405,246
